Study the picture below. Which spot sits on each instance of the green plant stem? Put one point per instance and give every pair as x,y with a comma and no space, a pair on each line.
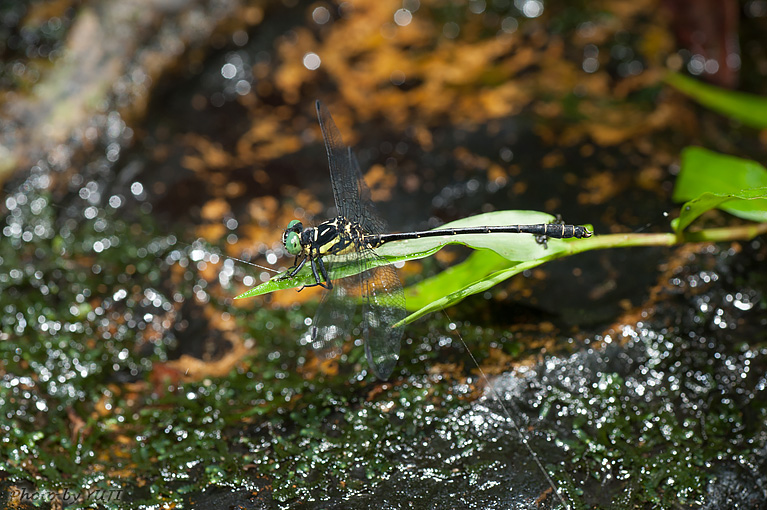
740,233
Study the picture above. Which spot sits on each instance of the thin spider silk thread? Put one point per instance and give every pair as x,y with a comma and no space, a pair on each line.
518,430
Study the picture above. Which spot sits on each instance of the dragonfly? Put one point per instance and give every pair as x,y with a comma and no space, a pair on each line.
350,240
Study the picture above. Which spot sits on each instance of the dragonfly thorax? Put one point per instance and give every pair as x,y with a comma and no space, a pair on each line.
332,237
337,236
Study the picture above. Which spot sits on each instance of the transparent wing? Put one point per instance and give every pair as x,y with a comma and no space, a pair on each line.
383,306
369,220
333,322
378,288
351,194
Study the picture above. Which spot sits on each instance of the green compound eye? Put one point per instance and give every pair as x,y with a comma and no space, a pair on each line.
292,238
293,243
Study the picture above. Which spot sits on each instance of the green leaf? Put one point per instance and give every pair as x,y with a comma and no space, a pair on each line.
477,266
515,247
342,267
694,208
480,285
710,180
749,109
478,273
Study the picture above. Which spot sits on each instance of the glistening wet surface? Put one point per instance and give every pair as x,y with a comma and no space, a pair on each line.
126,368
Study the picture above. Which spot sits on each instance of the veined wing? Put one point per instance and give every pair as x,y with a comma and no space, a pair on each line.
333,321
351,194
378,287
383,306
369,219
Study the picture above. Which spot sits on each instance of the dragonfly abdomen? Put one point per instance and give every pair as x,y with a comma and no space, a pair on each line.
552,230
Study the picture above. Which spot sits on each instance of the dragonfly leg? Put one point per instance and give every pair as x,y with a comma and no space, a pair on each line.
293,271
328,284
297,267
543,239
317,261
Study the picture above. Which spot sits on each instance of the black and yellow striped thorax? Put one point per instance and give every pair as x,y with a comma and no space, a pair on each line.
335,237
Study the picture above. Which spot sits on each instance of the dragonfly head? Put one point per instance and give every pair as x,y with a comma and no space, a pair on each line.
291,238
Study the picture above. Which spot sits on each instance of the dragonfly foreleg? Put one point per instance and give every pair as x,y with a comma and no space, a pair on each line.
293,271
297,267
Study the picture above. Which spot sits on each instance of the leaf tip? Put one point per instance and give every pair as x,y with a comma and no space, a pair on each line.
245,294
